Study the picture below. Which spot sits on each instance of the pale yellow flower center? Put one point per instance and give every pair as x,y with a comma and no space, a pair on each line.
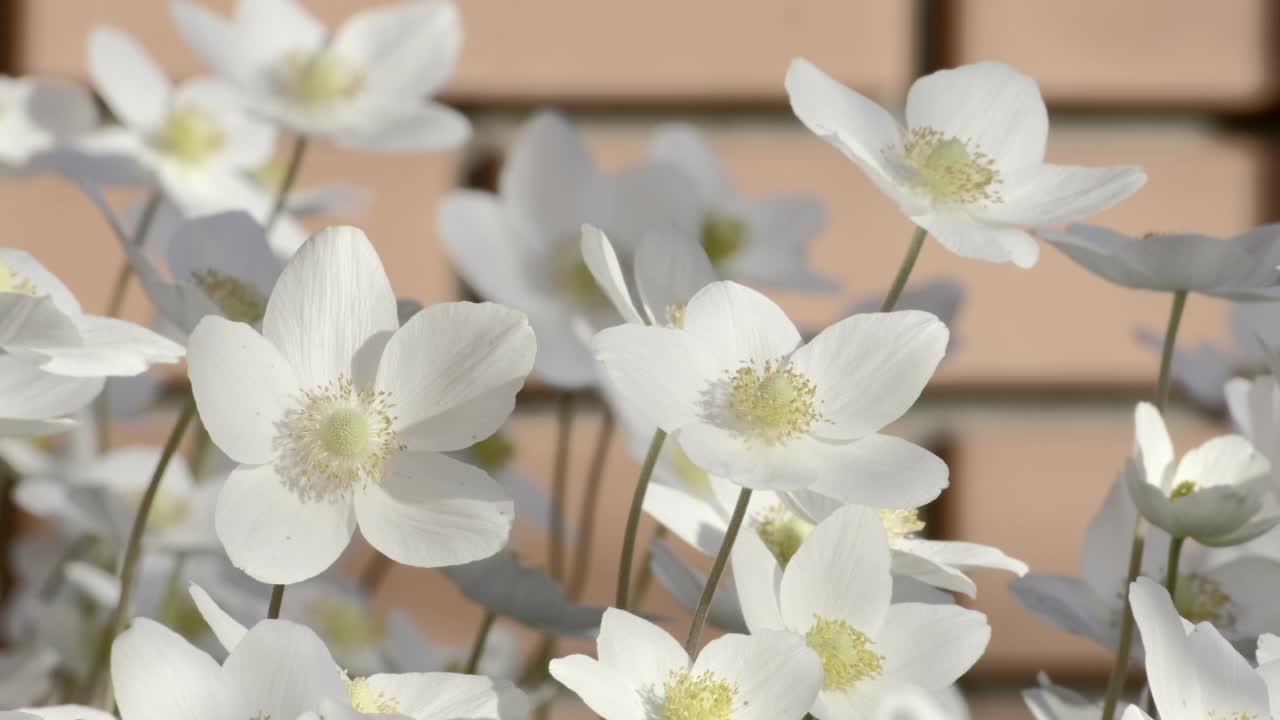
848,654
697,697
1202,599
773,403
1237,715
320,79
191,135
901,523
783,532
338,441
723,236
673,316
237,299
12,282
347,626
948,170
493,452
366,700
1183,489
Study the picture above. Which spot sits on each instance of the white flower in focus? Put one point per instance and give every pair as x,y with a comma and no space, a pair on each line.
968,165
37,114
835,594
336,413
748,402
642,672
41,322
367,85
522,246
1238,268
1192,671
750,240
1218,494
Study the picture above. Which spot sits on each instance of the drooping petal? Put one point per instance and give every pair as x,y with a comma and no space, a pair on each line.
880,471
158,675
1052,194
776,675
972,237
431,511
133,85
226,629
111,346
840,572
692,519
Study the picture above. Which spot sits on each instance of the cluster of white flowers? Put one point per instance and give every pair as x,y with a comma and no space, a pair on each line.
320,403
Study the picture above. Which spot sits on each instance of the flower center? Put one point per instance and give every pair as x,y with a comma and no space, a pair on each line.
11,282
1201,599
673,316
1182,489
191,135
320,79
348,626
948,170
783,532
338,441
366,700
901,523
722,237
774,403
237,299
846,652
697,697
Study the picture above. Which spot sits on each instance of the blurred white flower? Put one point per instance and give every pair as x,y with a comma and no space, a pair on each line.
1254,409
523,245
37,114
969,164
751,240
367,85
748,402
35,402
668,270
41,322
835,594
1047,701
1218,493
27,675
943,297
336,413
642,672
511,589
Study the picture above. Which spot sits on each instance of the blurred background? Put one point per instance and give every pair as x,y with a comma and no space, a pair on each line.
1033,408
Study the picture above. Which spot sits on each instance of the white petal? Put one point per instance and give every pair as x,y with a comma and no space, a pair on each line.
226,628
268,29
217,41
965,555
757,576
133,85
932,573
491,249
604,691
681,145
564,358
692,519
231,243
670,269
740,325
1228,684
1154,448
549,178
529,595
332,299
432,510
1224,460
1067,603
32,395
272,534
111,347
638,652
157,675
602,261
989,104
1171,671
406,49
24,265
60,108
776,674
930,645
660,371
430,127
781,230
243,388
881,471
1153,503
1051,194
284,669
443,696
35,326
453,372
841,571
972,237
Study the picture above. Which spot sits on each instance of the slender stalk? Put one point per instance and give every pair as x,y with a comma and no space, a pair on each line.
477,646
560,484
290,177
622,602
1115,682
644,577
8,481
173,591
1171,572
277,599
717,569
904,270
133,549
590,506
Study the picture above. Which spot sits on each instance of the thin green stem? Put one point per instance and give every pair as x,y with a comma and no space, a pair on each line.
590,506
904,270
717,569
290,177
560,484
277,599
173,591
1171,572
477,646
133,549
1120,668
623,599
644,576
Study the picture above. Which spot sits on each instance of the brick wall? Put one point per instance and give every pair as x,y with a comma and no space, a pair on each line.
1034,407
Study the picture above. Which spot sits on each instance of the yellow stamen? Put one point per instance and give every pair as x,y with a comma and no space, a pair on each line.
774,403
846,652
697,697
948,170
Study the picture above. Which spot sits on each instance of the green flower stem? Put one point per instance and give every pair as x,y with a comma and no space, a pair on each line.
290,177
1171,572
904,270
277,599
590,506
477,647
623,599
717,569
560,484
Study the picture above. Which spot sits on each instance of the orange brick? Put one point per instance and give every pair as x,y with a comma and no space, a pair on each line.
1181,53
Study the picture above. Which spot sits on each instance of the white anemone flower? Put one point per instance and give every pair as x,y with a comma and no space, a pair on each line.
38,114
367,85
35,402
835,595
1192,671
336,413
751,240
1238,268
1218,494
968,165
195,141
642,672
747,401
281,669
41,322
523,245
